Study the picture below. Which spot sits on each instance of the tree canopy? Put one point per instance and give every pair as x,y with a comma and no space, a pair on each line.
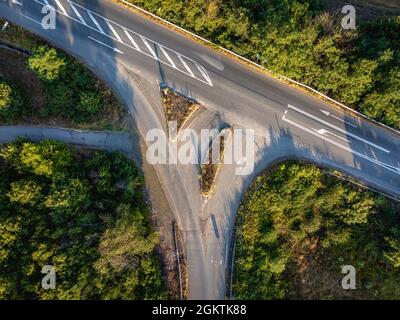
298,223
80,211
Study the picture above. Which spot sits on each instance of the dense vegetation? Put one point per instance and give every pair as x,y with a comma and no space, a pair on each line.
297,38
68,92
82,212
297,227
70,87
11,99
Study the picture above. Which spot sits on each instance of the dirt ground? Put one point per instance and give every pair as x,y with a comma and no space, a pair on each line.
13,67
177,108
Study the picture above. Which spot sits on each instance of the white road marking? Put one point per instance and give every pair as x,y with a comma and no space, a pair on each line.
328,114
325,132
337,128
165,53
204,73
76,12
17,2
113,31
100,29
64,12
131,39
33,20
149,47
106,45
186,66
206,80
379,163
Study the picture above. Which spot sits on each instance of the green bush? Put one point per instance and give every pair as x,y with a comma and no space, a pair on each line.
12,101
5,96
46,63
90,104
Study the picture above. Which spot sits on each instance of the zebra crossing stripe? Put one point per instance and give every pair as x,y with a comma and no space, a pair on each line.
167,56
64,12
186,66
76,12
113,31
149,47
204,73
95,22
131,40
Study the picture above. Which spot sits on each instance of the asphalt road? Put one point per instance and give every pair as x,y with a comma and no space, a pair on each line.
133,55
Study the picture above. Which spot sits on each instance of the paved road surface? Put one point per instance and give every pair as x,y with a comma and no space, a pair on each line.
134,55
103,140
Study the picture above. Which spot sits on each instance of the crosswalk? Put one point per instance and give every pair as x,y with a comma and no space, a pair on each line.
129,38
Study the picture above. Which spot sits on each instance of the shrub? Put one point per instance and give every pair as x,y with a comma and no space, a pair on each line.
46,63
5,95
89,104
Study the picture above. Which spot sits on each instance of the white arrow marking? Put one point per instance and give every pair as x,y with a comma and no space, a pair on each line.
337,128
379,163
328,114
324,132
106,45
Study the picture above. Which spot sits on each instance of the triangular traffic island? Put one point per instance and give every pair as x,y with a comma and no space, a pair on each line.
209,171
177,108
